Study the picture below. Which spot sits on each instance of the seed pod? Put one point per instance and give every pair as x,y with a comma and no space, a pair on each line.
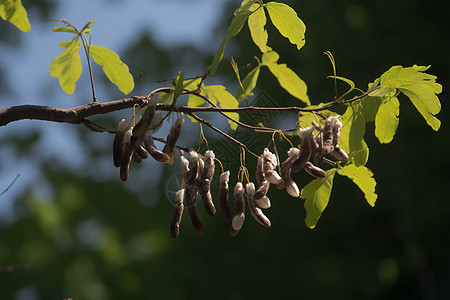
263,203
190,194
172,138
318,152
239,209
269,164
156,123
336,130
328,135
314,171
306,148
149,145
127,153
223,196
289,184
147,117
340,154
205,183
136,157
118,141
263,183
255,211
177,214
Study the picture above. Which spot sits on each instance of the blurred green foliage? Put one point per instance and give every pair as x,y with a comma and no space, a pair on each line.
94,239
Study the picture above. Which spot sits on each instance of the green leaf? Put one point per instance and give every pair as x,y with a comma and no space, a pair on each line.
241,15
256,23
218,94
363,178
421,88
67,66
116,71
317,195
178,86
352,135
386,120
190,84
287,22
87,28
65,29
14,12
348,81
286,77
249,84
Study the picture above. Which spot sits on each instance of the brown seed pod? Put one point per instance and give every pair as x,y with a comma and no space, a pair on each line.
172,138
328,135
306,148
263,203
223,196
149,145
314,171
136,157
263,183
336,131
269,165
127,153
147,117
239,209
255,211
205,182
118,141
177,214
289,184
191,190
318,151
340,154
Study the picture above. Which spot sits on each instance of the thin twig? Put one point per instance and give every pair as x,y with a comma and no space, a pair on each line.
10,185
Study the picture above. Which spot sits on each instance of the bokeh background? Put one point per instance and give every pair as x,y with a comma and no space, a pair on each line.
70,228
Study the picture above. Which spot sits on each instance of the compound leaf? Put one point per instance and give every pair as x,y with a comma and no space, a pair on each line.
256,23
386,120
287,22
14,12
352,135
116,71
67,66
317,195
363,178
286,77
421,88
218,94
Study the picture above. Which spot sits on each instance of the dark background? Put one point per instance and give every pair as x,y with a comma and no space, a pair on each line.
96,238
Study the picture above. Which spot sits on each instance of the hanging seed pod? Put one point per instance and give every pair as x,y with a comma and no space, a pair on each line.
223,196
328,135
136,157
306,148
190,194
289,184
269,165
239,209
118,141
336,130
263,183
314,171
172,138
149,145
127,153
263,203
147,117
205,182
318,151
177,214
255,211
340,154
156,123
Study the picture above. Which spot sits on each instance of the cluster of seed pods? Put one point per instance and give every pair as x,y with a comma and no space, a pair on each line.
135,143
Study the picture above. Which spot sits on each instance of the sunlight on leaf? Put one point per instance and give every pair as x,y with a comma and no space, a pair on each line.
116,71
352,135
178,86
14,12
256,23
286,77
67,66
363,178
65,29
317,195
249,84
218,94
421,88
287,22
386,120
